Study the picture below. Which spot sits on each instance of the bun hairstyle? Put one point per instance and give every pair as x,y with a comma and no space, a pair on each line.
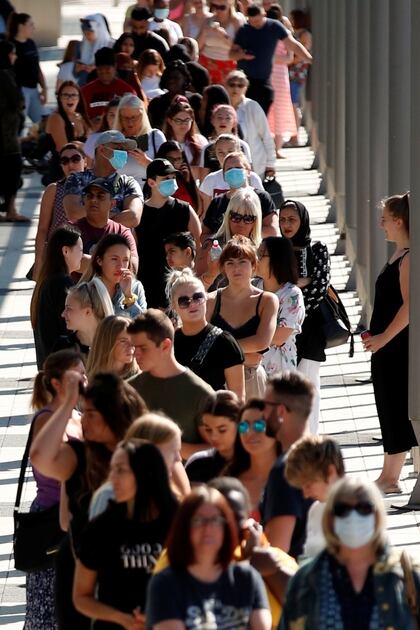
177,279
94,295
399,207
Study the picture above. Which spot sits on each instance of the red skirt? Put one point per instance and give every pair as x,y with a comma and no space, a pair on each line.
218,70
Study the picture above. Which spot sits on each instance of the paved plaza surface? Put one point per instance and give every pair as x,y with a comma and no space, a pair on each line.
347,407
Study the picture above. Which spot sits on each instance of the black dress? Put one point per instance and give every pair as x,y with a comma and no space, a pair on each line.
390,365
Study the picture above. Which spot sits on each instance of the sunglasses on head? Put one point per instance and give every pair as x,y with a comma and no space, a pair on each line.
259,426
197,298
74,159
236,217
364,508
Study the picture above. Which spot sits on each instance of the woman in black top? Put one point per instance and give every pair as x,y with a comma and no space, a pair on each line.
388,342
314,278
63,256
248,313
120,548
219,425
27,68
207,350
109,407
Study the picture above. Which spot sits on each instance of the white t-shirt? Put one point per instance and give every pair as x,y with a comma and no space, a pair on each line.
315,539
65,72
174,29
214,184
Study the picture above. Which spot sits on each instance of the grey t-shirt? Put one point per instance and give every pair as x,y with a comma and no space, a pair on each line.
225,604
181,397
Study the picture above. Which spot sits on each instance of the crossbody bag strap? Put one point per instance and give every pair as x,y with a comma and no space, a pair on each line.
206,344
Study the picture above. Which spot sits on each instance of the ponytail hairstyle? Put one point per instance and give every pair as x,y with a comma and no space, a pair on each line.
13,23
399,208
176,279
54,262
54,367
94,295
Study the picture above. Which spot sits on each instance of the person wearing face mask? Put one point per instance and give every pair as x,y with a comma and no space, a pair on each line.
358,581
162,215
111,154
160,21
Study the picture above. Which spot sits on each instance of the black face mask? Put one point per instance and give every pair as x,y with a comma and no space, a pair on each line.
302,238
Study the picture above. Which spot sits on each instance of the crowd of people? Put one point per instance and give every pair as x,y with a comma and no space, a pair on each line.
179,334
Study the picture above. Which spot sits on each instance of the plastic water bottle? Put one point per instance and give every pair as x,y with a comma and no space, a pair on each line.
215,251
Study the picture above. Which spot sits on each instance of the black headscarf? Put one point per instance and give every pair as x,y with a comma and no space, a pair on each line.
302,238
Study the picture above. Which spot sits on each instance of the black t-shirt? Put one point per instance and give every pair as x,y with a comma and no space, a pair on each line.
226,603
71,342
149,40
261,42
218,206
204,465
155,225
224,353
124,554
26,67
281,499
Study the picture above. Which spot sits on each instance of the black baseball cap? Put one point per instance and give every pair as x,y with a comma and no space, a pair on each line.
100,182
160,167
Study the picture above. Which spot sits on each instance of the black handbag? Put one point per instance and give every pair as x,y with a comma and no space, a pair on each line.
337,327
272,186
37,535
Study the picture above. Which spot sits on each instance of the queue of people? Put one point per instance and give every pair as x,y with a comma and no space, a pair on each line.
179,336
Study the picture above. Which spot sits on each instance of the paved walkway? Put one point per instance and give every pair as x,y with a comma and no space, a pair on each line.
348,410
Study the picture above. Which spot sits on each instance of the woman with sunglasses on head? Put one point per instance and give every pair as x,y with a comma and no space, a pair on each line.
358,581
52,215
278,269
119,548
219,426
62,257
111,264
248,313
206,587
314,278
216,38
211,353
180,126
255,453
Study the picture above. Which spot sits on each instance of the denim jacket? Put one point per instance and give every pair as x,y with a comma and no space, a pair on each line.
135,309
301,610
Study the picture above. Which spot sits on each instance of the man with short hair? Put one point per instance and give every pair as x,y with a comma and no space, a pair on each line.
99,92
98,202
111,153
144,39
164,384
288,403
254,47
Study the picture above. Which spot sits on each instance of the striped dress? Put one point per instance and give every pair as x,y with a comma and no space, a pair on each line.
281,116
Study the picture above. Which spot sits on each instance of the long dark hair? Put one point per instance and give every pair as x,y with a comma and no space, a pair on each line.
80,109
54,262
282,259
191,186
177,106
14,21
154,493
107,241
216,95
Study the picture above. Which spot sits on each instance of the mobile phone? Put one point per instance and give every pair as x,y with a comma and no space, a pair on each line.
366,334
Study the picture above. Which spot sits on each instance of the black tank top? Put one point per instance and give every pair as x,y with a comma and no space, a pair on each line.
247,329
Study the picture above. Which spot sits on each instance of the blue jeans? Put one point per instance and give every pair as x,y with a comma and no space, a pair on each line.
33,107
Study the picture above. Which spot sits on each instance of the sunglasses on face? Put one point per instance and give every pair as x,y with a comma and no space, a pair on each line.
74,159
197,298
218,7
364,508
236,217
258,426
238,85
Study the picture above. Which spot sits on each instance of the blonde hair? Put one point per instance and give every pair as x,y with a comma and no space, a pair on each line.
310,458
154,427
101,358
243,201
133,102
355,489
94,295
177,279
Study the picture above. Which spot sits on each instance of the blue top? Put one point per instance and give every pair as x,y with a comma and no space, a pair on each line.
262,43
135,309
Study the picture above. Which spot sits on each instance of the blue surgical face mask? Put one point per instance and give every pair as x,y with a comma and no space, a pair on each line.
355,530
235,177
168,187
118,159
161,14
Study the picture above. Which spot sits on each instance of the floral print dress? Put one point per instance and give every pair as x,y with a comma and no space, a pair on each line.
291,314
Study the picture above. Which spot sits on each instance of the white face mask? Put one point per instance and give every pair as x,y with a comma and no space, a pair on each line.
355,530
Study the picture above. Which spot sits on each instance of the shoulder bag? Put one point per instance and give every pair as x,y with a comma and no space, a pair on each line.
37,535
336,324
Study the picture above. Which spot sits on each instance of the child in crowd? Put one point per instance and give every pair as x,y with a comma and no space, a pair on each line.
313,465
180,248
